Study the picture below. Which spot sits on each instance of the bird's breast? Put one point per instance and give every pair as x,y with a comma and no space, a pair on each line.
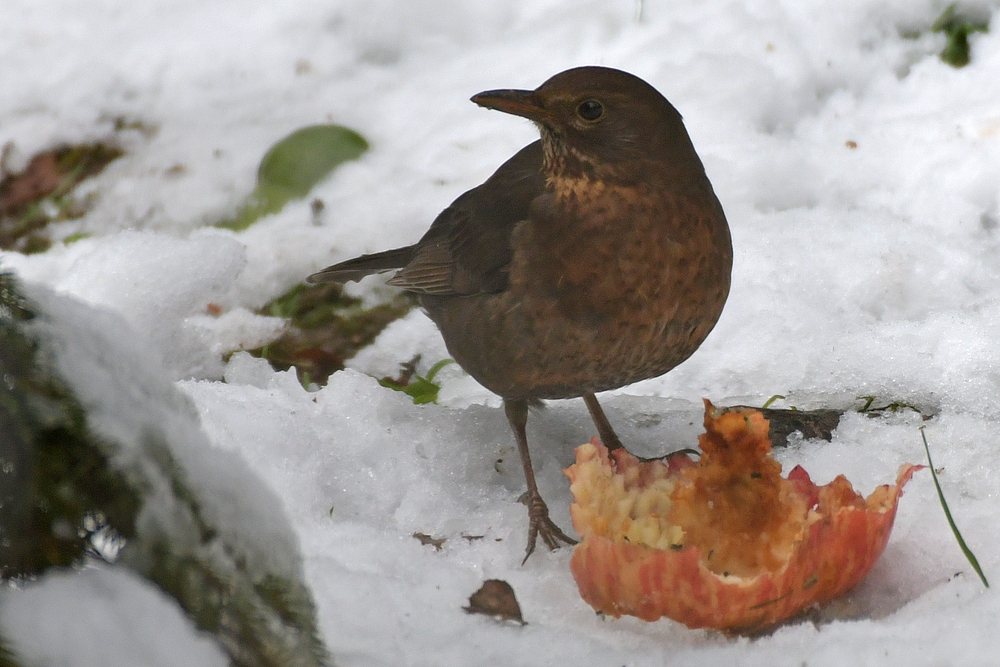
603,252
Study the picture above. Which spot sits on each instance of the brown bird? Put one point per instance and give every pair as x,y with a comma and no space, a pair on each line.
594,258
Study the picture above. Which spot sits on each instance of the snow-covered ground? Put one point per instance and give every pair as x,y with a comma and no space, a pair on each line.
869,268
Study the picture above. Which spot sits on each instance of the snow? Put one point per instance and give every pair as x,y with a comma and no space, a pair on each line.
858,271
100,617
227,532
132,405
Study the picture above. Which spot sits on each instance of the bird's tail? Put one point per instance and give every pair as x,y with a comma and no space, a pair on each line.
359,267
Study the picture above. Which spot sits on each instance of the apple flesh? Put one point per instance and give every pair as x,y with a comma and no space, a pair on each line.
725,542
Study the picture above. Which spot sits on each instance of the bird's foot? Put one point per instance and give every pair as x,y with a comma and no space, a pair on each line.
540,525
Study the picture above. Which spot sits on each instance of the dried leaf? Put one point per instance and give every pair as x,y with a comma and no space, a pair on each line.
426,539
495,598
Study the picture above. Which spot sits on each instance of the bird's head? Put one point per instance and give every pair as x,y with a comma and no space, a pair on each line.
601,122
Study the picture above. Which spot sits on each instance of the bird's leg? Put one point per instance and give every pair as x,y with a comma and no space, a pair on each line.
604,429
539,523
611,440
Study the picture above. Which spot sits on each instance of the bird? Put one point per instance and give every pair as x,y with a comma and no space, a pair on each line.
595,257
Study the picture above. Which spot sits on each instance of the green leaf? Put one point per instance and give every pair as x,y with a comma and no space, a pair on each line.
957,29
771,400
292,167
73,238
437,367
304,158
421,389
971,557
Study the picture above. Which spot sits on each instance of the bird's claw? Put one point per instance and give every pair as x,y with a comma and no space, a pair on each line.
687,451
540,525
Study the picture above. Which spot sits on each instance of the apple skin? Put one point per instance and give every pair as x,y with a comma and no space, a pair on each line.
841,540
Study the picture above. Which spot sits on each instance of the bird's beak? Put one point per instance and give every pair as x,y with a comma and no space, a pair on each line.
518,102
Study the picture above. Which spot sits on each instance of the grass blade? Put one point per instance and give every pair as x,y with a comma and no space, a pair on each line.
971,557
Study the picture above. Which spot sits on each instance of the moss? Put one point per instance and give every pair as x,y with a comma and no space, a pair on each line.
263,620
57,486
60,489
7,657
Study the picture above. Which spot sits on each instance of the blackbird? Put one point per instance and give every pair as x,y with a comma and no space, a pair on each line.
596,257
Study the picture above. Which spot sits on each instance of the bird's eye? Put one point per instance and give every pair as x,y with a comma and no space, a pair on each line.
590,110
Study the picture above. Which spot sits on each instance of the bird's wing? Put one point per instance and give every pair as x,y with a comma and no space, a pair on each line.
467,250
